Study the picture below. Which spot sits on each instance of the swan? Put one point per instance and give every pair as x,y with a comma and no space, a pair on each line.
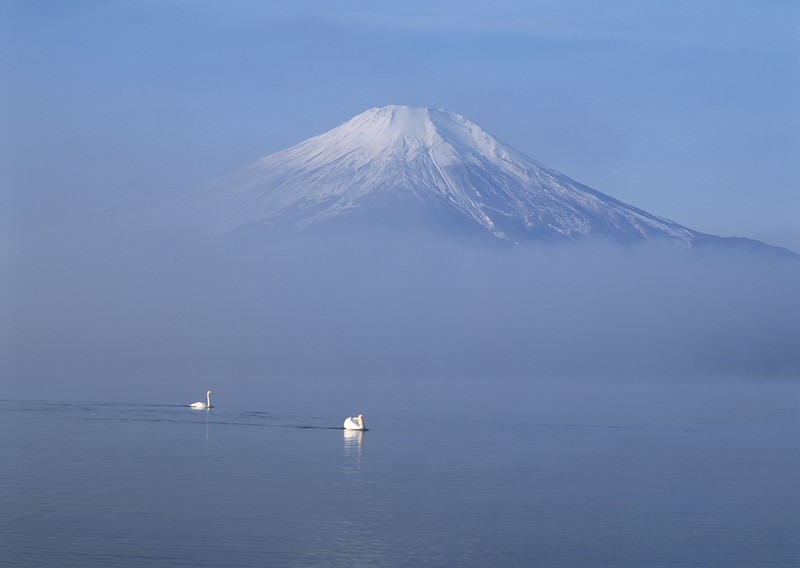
203,405
354,423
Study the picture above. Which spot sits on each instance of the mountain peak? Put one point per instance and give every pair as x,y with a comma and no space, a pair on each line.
384,127
397,121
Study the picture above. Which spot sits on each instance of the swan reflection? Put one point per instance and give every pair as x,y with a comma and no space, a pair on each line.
353,441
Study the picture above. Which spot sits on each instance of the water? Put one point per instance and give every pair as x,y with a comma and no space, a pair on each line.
673,483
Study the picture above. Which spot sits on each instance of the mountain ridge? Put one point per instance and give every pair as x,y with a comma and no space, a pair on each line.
413,161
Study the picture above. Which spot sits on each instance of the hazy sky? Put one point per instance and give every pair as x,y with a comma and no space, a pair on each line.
687,109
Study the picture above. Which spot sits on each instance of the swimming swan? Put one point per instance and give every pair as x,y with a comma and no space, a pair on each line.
354,423
203,405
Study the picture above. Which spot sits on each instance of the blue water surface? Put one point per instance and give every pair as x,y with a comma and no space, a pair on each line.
110,484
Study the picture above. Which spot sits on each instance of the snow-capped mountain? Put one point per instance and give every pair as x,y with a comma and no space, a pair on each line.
420,165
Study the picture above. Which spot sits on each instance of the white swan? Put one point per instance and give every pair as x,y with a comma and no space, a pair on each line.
203,405
354,423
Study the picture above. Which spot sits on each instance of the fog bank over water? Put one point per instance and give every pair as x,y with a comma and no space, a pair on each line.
152,314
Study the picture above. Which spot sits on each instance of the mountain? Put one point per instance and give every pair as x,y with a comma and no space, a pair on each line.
406,165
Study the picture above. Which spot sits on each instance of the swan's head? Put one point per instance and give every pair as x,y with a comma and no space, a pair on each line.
361,418
210,392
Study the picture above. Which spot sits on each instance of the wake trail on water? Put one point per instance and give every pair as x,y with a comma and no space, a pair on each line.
155,413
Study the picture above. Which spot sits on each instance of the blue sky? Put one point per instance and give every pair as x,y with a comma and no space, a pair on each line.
687,109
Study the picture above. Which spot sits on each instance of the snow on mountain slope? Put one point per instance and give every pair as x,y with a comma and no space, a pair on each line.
399,158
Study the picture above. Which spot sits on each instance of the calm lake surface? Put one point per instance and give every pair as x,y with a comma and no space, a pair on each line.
647,484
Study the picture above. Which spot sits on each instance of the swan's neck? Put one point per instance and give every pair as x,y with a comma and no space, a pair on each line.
208,398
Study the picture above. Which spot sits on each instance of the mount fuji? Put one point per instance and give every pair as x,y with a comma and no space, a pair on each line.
426,167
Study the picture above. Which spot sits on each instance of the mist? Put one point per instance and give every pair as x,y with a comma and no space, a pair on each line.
114,311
